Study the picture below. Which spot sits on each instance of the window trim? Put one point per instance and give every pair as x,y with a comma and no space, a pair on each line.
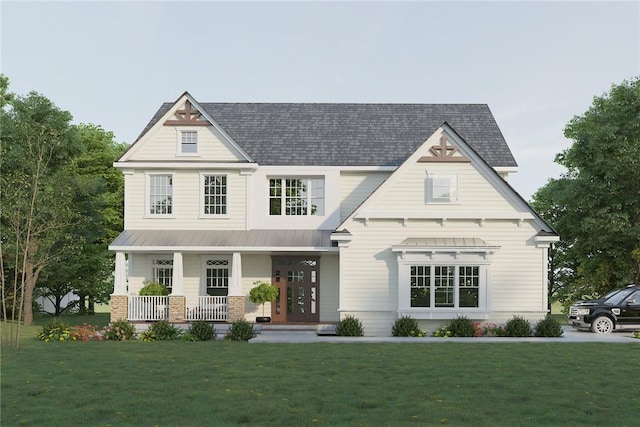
202,213
152,259
179,133
453,187
147,203
309,196
203,272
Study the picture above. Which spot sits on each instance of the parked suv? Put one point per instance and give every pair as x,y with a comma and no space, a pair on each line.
619,309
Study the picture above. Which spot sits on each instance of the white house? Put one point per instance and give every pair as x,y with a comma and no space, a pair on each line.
374,210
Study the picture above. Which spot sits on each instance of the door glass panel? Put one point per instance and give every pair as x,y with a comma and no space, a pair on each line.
278,302
313,300
289,300
313,276
300,300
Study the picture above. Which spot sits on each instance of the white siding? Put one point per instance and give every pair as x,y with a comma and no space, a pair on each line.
186,202
355,187
162,144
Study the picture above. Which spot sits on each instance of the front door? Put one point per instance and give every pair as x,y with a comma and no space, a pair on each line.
298,282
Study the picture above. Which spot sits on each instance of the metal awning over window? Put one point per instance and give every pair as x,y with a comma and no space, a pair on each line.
444,244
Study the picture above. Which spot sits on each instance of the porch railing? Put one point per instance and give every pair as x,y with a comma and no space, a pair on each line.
209,308
148,308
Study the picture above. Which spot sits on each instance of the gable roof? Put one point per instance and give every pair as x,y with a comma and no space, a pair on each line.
309,134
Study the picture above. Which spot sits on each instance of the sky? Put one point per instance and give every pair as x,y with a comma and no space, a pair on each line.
536,64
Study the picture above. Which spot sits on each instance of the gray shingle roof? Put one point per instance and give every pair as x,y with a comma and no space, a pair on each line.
350,134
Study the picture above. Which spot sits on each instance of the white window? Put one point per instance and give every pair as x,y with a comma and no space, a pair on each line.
296,196
217,277
214,194
442,188
160,194
188,142
445,286
162,272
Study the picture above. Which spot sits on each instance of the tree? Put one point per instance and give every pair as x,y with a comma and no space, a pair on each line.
36,144
595,205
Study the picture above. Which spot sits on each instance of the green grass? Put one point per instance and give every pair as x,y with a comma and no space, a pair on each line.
219,383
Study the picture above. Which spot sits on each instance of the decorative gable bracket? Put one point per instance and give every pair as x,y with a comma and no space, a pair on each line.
188,116
444,152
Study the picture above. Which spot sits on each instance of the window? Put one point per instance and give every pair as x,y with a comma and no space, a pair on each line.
296,196
214,195
189,142
160,194
452,286
442,188
162,271
217,277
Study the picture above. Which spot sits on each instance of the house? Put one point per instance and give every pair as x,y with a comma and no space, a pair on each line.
372,210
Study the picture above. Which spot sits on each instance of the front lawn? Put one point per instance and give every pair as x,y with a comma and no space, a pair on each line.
179,383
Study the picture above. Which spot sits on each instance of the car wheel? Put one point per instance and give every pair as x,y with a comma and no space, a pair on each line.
602,325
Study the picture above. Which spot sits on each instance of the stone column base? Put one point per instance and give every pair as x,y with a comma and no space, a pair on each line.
119,307
177,305
236,308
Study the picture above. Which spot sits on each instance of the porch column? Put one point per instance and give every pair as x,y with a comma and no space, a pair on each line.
236,297
118,306
177,302
120,279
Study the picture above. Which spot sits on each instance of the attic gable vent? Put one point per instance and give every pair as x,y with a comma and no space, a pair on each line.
188,116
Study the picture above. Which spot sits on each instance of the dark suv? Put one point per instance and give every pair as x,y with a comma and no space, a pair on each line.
619,309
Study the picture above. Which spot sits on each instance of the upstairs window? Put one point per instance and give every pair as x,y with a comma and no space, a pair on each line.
160,194
188,142
442,188
214,195
296,196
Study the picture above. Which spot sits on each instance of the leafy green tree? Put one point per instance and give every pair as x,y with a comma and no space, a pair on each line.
595,205
36,145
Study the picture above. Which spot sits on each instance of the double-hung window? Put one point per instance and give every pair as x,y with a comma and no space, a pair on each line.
160,194
188,142
296,196
442,286
214,194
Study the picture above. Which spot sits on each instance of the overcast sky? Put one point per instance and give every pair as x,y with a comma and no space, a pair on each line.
536,64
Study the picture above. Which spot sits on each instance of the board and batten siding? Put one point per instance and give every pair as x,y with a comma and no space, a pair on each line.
186,202
356,187
163,144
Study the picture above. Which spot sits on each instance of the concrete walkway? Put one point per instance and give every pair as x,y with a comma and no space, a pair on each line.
570,335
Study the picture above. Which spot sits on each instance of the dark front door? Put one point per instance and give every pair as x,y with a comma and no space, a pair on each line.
298,281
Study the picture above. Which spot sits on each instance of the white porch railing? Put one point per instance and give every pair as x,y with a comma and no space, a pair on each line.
148,308
207,308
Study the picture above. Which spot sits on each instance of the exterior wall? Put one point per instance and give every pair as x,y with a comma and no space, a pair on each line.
162,144
355,187
186,202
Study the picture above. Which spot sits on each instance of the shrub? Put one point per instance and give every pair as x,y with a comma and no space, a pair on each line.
349,326
406,326
161,330
55,330
201,331
86,332
462,326
636,334
517,327
151,288
120,330
240,330
493,330
442,332
548,327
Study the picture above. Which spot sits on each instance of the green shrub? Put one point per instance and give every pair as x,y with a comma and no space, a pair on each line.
151,288
406,326
161,330
120,330
462,326
55,330
349,326
517,327
240,330
636,334
201,331
442,332
548,327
